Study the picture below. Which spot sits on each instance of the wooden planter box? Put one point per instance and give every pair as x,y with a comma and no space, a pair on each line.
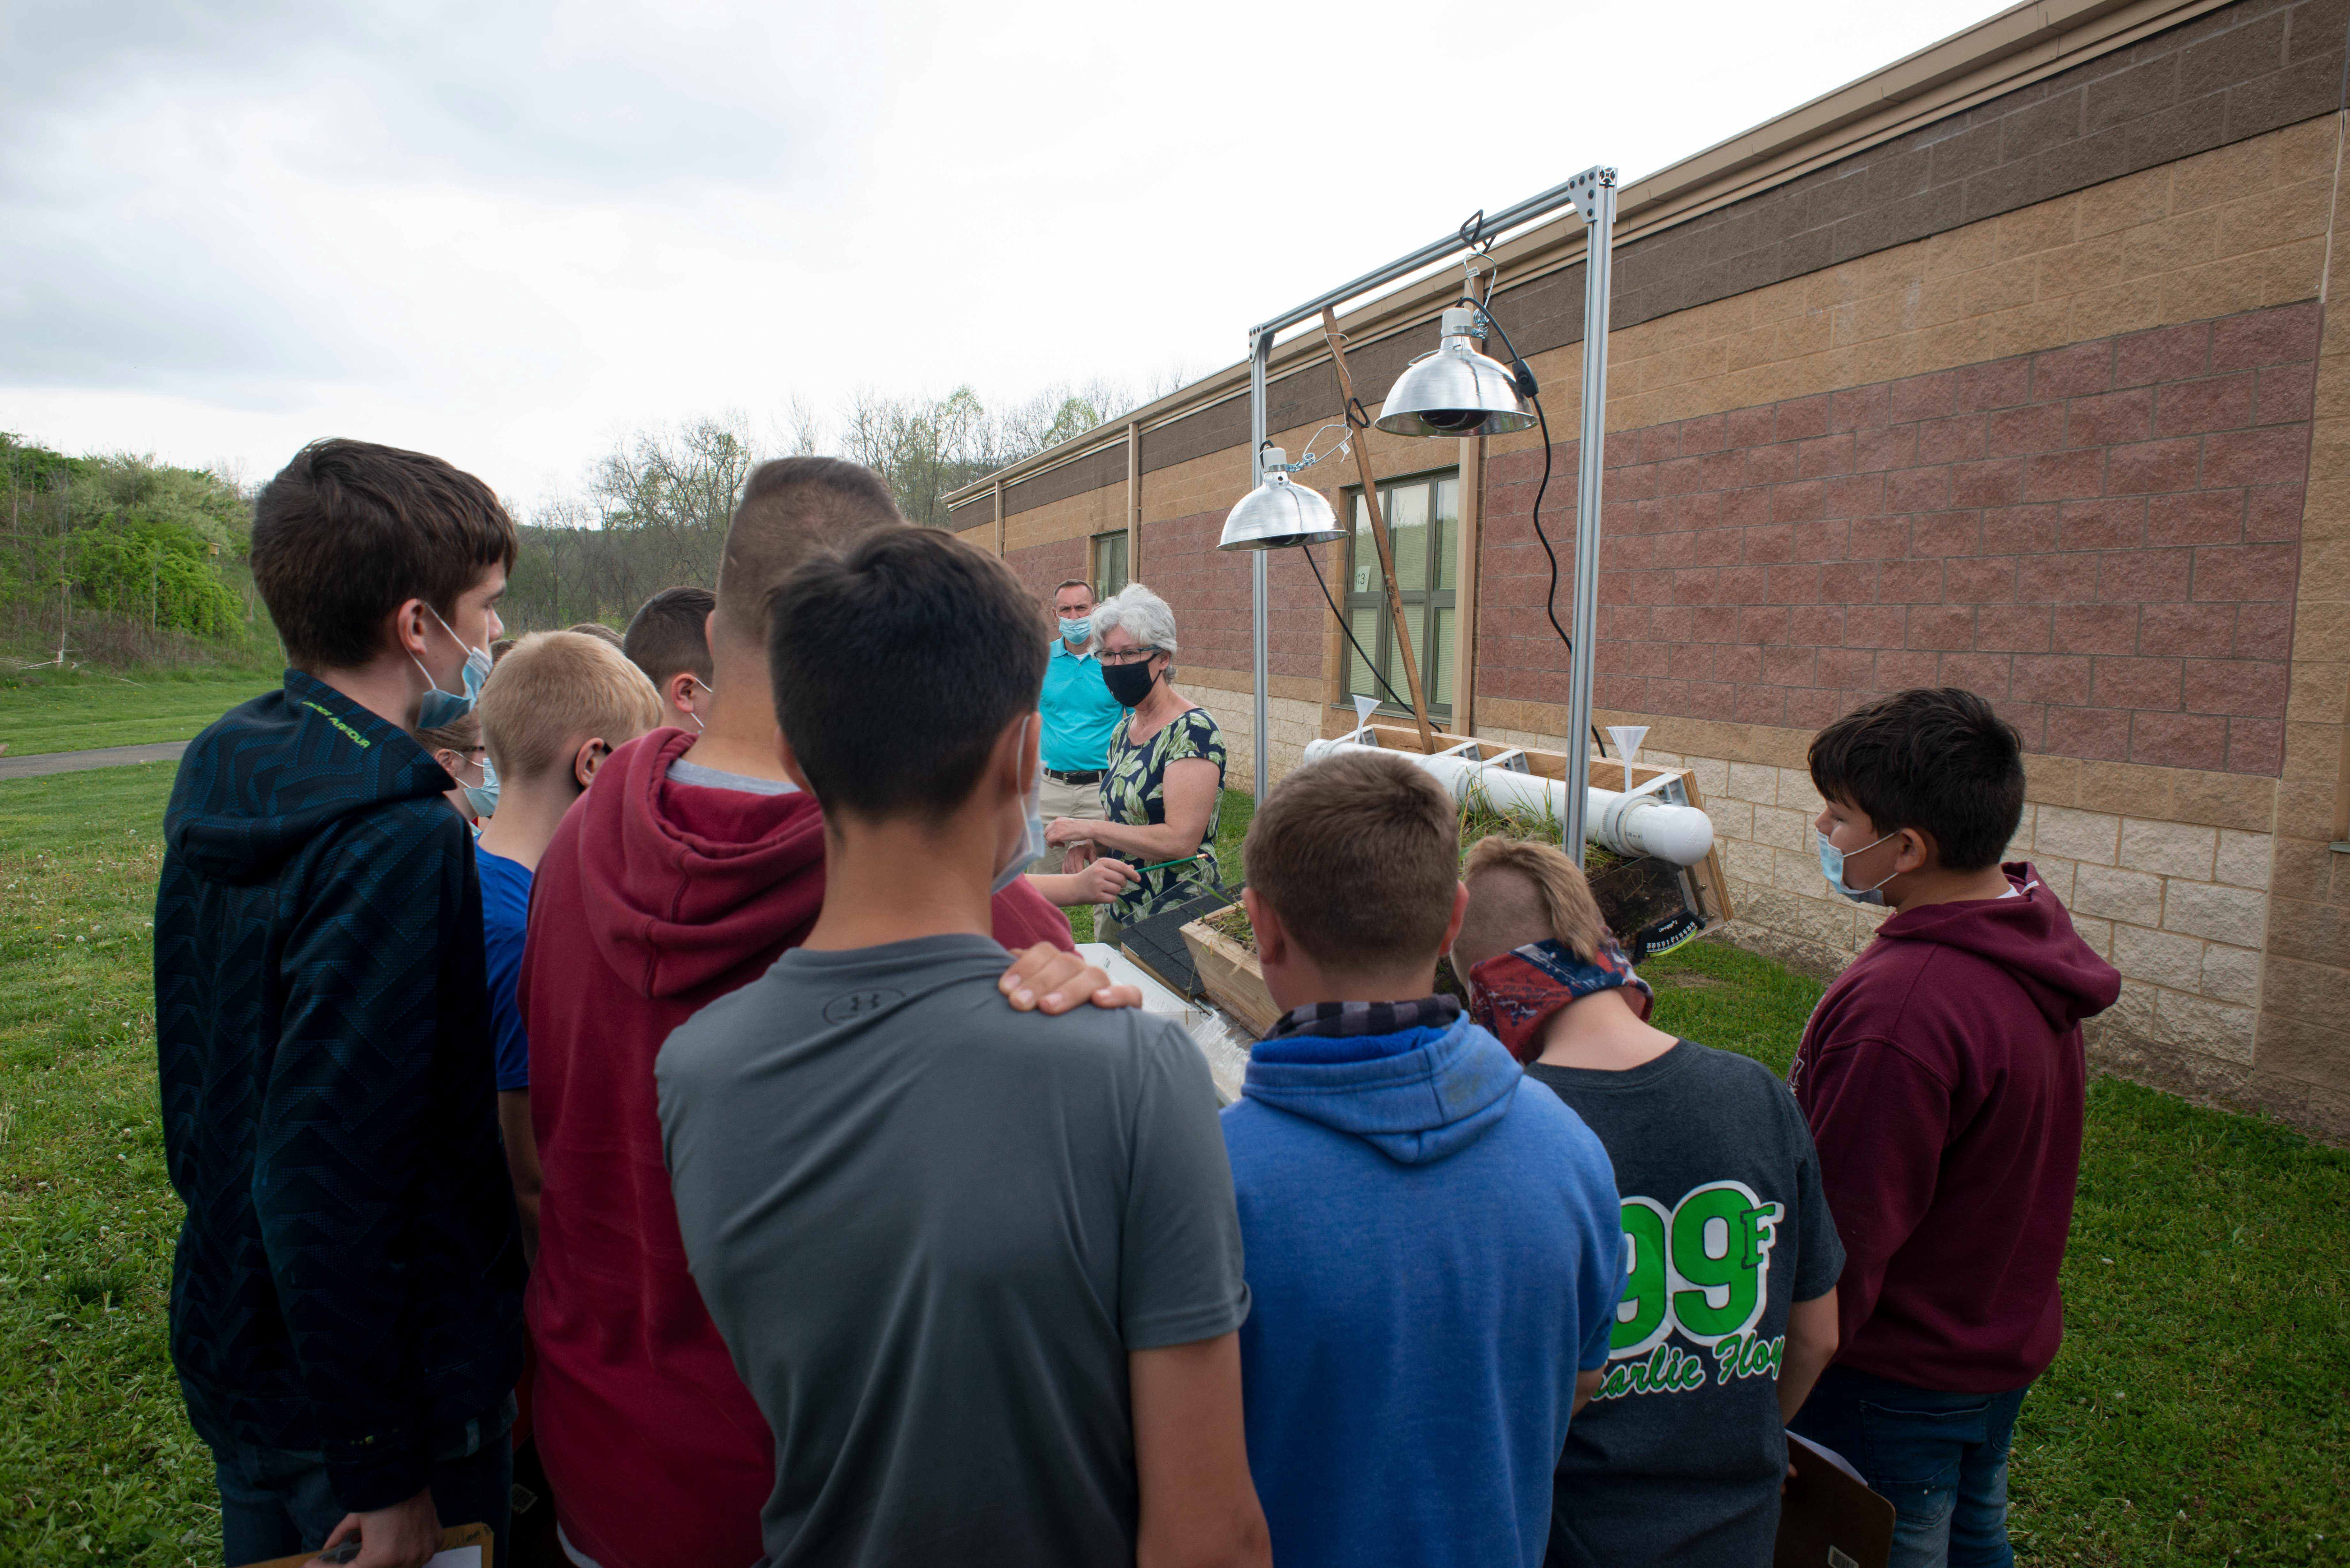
1231,976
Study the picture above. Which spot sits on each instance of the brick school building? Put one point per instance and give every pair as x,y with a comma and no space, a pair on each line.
2008,367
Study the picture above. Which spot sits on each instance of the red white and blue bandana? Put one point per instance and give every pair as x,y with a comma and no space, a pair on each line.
1514,994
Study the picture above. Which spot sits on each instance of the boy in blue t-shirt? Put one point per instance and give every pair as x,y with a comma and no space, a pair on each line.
552,710
1432,1244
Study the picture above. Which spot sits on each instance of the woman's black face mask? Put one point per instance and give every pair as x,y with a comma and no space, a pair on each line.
1129,683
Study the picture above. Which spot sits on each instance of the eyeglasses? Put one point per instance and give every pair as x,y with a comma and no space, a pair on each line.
1131,656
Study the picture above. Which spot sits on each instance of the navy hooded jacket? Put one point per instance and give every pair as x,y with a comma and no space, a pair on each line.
1434,1251
348,1279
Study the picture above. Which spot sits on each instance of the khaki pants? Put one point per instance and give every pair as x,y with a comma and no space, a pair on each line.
1057,799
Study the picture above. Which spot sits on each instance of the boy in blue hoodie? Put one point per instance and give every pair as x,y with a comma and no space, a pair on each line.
1432,1243
346,1294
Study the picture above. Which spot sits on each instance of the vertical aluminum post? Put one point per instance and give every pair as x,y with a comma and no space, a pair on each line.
1594,194
1260,356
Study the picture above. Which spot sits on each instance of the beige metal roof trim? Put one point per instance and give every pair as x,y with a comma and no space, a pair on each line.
1996,56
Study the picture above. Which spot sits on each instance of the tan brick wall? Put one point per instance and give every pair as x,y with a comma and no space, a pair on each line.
2214,893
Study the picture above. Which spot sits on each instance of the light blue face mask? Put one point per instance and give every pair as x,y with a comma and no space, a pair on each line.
484,796
443,707
1032,844
1832,867
1078,630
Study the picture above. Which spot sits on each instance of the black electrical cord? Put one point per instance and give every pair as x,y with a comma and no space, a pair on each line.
1525,378
1369,663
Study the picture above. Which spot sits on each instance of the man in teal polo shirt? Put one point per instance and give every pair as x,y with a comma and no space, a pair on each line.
1079,712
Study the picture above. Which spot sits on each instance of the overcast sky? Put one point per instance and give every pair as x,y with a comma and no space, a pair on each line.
510,233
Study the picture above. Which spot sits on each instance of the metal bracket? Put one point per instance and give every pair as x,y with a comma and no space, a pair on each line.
1585,188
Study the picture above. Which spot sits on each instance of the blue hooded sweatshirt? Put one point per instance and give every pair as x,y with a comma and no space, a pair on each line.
348,1279
1434,1251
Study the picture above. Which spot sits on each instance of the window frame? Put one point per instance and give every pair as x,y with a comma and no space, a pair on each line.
1435,654
1094,550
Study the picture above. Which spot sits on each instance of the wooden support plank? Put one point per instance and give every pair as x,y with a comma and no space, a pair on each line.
1379,529
999,519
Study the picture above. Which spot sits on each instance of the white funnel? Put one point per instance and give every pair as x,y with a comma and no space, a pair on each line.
1627,739
1363,707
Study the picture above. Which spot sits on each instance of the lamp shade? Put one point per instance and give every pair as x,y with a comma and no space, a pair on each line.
1454,391
1278,514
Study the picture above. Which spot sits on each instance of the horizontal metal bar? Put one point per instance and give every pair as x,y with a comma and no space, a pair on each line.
1501,222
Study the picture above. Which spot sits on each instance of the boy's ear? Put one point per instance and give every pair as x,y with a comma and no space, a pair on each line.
785,754
1916,852
1271,941
1459,913
680,691
587,758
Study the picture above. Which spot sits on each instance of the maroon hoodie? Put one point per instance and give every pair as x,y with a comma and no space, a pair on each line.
1944,1078
654,898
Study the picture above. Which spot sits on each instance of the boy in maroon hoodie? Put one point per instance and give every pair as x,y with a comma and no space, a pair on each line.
1944,1078
680,877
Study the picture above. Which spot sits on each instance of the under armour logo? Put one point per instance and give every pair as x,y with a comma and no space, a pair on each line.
857,1004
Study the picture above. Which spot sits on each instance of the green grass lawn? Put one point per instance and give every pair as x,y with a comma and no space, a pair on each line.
2195,1415
44,711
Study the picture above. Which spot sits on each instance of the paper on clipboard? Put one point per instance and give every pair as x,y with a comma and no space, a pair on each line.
461,1546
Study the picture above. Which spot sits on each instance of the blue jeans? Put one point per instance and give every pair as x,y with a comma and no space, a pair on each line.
1940,1458
277,1502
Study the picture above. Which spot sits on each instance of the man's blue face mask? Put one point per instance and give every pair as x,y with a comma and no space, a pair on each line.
1078,630
442,708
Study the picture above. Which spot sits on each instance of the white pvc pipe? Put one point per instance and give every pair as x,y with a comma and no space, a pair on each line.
1634,823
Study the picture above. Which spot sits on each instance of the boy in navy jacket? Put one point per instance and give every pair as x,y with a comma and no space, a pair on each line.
1432,1243
345,1297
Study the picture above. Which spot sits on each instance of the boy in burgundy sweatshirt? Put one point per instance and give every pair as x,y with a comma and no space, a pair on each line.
1944,1079
684,872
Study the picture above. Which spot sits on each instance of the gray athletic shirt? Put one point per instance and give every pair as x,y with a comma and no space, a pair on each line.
930,1229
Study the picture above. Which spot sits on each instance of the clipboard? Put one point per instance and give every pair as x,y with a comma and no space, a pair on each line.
1827,1516
461,1546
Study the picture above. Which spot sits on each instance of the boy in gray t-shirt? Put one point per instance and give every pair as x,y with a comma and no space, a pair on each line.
980,1268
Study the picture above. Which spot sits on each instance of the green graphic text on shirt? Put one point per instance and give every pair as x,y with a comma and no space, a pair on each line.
1700,1268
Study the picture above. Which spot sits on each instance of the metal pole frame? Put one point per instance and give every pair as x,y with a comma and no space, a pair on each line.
1259,357
1593,195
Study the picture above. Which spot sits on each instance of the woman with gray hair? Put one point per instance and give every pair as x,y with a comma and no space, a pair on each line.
1165,782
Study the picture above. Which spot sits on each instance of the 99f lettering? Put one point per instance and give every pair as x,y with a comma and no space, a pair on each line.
1702,1267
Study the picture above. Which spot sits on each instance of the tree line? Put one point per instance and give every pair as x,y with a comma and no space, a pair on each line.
119,559
652,513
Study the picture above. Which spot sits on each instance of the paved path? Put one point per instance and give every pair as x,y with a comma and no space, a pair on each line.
74,761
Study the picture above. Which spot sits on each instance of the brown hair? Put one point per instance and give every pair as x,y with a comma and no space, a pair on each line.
349,531
599,631
1939,760
1520,892
897,665
460,735
556,689
1358,855
669,635
791,509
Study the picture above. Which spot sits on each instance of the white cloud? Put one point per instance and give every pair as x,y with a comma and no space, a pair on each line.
505,234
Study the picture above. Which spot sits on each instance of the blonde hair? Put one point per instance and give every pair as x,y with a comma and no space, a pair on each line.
1520,892
556,689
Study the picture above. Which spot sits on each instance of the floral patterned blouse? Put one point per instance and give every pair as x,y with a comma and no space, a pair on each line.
1134,790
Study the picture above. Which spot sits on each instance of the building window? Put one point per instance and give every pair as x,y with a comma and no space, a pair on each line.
1107,564
1423,517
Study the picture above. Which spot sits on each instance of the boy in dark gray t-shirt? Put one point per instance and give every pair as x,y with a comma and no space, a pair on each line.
1730,1257
980,1268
